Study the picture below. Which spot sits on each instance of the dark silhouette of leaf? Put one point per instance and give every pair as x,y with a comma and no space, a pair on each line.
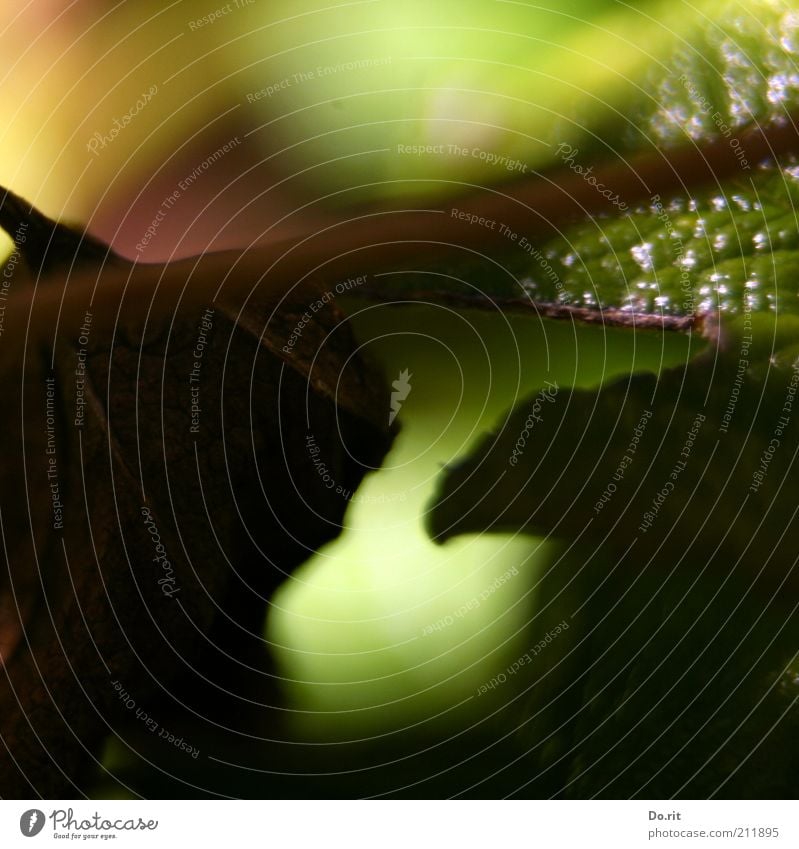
651,460
676,678
674,499
157,486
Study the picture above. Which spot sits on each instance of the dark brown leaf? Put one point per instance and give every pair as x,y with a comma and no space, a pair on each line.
157,484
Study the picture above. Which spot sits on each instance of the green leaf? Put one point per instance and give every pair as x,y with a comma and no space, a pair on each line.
733,65
730,251
720,77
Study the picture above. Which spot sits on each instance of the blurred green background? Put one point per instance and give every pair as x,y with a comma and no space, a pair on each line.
323,104
353,626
